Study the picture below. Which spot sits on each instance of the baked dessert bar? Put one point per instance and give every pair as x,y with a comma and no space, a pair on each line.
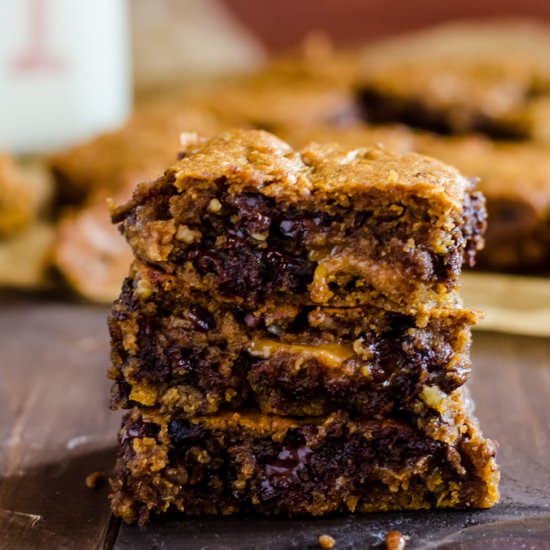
316,59
274,101
416,93
459,78
26,233
181,352
290,338
249,462
246,218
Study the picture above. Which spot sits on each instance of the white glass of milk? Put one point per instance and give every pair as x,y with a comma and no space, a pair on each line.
65,71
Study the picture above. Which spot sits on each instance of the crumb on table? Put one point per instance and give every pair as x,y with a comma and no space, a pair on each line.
326,541
395,541
95,479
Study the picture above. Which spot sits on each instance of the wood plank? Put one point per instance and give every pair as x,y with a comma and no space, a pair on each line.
55,426
511,387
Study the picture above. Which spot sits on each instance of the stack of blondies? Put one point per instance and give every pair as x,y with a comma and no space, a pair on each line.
290,339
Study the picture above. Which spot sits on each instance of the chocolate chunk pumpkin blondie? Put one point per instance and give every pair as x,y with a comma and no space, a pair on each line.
518,199
461,77
186,354
271,102
246,218
249,462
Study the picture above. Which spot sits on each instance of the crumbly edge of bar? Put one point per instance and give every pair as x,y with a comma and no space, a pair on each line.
245,462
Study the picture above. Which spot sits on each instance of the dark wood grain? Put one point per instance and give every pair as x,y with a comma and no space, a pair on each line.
56,428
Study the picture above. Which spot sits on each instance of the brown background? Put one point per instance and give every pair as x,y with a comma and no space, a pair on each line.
282,23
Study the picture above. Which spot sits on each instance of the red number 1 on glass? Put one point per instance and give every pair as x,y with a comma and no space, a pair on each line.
36,55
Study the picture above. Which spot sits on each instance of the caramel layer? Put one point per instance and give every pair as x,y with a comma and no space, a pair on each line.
331,354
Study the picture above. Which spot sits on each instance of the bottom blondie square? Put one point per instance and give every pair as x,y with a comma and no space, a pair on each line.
250,462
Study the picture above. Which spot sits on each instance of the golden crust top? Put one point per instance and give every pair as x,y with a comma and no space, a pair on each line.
259,161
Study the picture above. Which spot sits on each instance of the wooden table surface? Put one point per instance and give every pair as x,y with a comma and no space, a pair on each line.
55,428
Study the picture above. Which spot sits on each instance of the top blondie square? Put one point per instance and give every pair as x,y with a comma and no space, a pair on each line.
246,218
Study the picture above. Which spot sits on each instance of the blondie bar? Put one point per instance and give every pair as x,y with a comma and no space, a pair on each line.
459,77
247,218
186,354
249,462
